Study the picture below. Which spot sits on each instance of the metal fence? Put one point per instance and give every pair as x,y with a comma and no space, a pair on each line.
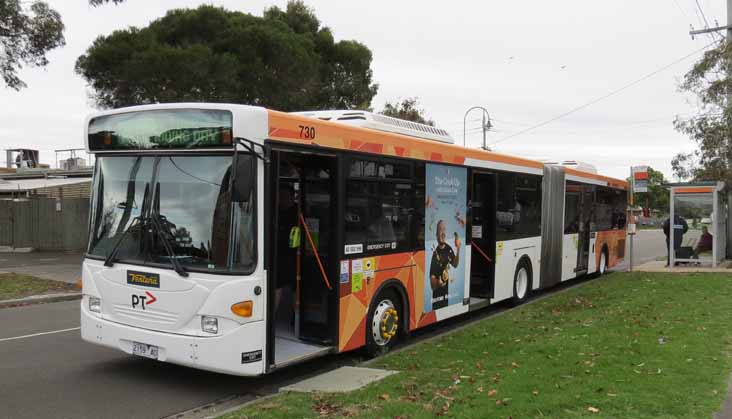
44,223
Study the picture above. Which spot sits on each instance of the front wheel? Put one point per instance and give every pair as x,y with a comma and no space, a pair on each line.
383,329
521,282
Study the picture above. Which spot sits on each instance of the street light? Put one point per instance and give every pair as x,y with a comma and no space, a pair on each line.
485,126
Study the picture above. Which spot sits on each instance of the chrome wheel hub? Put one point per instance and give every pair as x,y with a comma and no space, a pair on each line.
385,323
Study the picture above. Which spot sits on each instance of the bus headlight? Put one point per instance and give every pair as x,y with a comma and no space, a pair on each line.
95,304
209,324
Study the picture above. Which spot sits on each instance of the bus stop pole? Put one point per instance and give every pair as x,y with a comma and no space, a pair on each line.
631,218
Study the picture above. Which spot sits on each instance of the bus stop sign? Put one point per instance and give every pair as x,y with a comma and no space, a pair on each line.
640,178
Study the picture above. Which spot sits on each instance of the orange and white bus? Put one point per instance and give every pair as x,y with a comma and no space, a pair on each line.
238,239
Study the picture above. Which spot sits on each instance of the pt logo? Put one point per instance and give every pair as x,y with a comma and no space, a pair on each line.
143,300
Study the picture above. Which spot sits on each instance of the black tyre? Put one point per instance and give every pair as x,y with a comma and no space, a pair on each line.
384,325
522,282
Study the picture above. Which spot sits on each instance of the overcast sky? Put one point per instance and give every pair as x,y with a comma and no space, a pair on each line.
526,62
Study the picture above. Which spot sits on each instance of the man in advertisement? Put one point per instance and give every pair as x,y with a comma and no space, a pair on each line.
442,258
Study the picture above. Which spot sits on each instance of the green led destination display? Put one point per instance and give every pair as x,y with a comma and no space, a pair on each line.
161,129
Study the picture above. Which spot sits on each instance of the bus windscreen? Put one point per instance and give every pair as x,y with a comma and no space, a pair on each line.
161,130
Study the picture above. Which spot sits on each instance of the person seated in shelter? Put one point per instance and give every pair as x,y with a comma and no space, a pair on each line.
705,242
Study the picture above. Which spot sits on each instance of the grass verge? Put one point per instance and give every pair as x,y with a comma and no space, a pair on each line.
14,285
631,345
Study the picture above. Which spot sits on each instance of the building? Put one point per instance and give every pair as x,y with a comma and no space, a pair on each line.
43,208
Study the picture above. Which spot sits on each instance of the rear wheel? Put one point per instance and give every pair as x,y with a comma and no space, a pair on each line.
603,262
383,328
521,282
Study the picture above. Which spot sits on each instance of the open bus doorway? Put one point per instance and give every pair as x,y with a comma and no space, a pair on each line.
304,300
586,205
483,237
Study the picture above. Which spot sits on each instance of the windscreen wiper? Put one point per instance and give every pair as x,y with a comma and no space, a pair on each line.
179,269
109,261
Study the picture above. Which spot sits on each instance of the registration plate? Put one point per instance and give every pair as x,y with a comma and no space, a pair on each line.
143,349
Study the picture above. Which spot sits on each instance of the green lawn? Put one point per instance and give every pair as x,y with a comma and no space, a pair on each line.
630,345
18,286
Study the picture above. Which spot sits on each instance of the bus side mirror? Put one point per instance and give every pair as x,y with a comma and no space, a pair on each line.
245,175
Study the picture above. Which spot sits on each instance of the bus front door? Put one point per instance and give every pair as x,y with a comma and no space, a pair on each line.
483,235
304,214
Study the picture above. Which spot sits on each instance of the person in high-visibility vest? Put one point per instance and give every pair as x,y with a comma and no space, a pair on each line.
287,243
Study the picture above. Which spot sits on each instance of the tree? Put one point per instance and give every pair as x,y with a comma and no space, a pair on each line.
711,129
407,109
284,60
26,36
96,3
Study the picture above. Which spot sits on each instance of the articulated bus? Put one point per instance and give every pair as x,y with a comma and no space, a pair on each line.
240,240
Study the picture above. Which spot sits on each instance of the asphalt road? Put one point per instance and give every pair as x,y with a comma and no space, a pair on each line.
648,245
58,375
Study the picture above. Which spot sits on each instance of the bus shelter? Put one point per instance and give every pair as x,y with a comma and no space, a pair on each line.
697,224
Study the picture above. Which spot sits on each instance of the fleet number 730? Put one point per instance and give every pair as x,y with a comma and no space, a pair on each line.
307,132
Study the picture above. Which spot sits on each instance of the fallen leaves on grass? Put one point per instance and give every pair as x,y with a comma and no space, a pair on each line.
268,406
325,408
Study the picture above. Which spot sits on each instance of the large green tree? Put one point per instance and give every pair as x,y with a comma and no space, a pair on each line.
407,109
711,128
283,60
28,31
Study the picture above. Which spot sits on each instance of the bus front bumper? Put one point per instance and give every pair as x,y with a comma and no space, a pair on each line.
240,352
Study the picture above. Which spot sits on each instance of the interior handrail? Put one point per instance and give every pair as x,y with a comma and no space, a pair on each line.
315,250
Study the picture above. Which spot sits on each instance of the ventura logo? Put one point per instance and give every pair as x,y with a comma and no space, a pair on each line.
143,278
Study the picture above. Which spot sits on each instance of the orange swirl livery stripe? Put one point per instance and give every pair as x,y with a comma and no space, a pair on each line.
287,127
407,268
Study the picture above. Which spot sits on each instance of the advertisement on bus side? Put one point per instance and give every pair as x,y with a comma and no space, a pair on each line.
445,209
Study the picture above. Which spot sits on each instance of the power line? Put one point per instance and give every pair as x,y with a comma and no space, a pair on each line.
704,18
690,19
601,98
682,10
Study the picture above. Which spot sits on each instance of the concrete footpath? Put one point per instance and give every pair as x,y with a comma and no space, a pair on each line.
57,266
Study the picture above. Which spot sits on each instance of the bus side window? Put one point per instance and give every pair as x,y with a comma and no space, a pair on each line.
380,206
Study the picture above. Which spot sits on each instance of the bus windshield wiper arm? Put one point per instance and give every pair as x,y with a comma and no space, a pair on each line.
109,261
179,269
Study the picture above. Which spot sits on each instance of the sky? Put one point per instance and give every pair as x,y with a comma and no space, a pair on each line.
526,62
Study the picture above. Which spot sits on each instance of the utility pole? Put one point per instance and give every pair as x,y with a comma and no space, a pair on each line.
729,194
485,126
728,36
